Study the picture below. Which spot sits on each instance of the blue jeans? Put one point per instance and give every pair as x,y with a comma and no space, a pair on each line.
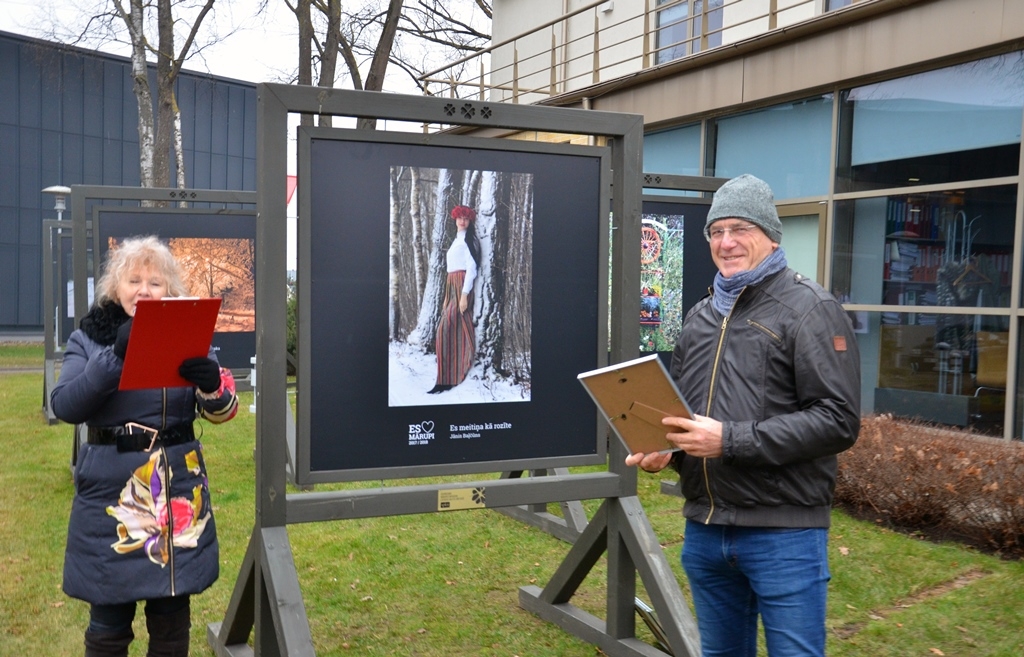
737,572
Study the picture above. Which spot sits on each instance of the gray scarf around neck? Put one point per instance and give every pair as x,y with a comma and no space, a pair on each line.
728,289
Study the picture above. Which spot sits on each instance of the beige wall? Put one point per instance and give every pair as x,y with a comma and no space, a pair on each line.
912,35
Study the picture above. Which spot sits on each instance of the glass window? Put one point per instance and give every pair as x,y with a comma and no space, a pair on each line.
672,40
786,145
956,123
950,372
675,151
951,248
681,24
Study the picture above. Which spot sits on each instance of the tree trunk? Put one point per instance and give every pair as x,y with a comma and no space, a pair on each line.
492,341
329,57
396,261
415,217
450,194
381,56
305,76
165,95
135,22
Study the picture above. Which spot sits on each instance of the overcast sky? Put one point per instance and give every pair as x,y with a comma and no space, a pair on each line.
262,50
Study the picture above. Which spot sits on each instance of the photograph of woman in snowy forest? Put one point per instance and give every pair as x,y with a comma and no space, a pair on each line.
455,345
460,286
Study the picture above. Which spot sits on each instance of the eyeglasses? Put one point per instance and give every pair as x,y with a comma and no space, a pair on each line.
737,232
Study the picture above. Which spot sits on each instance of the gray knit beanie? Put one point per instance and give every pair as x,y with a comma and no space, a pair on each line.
749,198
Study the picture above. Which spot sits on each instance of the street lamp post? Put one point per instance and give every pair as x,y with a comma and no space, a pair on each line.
51,309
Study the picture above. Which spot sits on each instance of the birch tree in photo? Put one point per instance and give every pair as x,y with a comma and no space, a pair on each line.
416,233
449,195
395,269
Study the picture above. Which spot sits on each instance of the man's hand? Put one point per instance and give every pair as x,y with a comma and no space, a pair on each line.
700,437
653,462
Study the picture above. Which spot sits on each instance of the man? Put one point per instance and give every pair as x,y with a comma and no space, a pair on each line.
770,362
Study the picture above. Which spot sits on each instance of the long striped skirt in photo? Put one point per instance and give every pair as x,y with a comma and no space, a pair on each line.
456,337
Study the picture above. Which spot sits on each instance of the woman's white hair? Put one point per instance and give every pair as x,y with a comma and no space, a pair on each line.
131,254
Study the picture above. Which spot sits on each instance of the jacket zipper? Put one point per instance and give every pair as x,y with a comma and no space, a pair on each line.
167,497
707,411
170,517
764,329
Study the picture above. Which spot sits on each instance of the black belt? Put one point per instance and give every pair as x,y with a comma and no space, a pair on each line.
134,437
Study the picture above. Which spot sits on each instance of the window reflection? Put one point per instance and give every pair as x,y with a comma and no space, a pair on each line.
681,28
952,248
951,371
956,123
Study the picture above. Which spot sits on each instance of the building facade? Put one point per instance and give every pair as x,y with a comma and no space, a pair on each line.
890,131
69,116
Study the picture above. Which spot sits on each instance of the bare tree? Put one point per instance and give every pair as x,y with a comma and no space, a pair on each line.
373,34
156,138
151,36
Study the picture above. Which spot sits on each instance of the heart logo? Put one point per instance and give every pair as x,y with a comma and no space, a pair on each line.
427,426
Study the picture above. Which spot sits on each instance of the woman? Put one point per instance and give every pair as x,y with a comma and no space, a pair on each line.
141,524
456,338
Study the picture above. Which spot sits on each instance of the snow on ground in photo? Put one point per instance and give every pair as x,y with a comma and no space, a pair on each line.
411,373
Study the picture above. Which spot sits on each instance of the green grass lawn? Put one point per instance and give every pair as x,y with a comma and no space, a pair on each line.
21,355
447,584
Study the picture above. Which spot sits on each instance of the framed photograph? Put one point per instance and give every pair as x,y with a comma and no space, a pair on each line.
217,252
676,268
450,289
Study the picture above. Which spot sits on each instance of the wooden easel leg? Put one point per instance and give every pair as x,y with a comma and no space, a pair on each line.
621,528
277,614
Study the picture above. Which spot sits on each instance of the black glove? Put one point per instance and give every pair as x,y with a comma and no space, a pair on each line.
121,343
203,372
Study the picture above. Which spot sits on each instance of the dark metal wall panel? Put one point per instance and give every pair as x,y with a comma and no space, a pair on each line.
50,82
30,165
8,228
49,163
112,162
9,165
92,84
219,115
9,272
235,121
129,175
30,299
8,83
202,120
72,99
28,90
218,171
72,157
113,97
201,170
187,101
68,117
249,152
236,174
92,161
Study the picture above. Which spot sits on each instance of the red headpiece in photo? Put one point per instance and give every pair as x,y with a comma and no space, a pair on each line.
463,212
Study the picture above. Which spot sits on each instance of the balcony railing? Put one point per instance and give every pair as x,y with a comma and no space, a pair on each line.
605,40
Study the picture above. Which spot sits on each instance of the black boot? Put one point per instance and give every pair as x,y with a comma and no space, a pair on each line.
169,633
438,388
108,644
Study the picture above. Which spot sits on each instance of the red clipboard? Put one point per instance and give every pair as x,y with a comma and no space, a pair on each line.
164,333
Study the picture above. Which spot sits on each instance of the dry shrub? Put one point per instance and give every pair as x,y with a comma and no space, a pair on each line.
944,484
